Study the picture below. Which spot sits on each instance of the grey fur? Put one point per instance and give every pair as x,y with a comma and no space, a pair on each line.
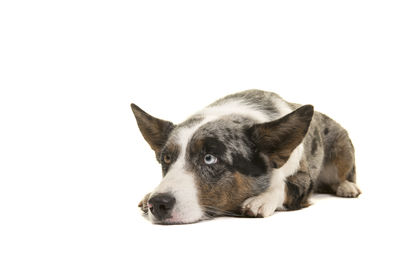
320,143
327,165
323,129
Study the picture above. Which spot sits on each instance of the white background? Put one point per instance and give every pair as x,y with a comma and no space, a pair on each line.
73,165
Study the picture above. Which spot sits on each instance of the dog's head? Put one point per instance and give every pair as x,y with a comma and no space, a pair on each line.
211,165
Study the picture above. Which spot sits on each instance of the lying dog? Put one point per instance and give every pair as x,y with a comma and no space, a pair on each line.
248,154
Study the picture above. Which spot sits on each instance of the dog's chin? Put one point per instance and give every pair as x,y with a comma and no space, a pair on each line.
176,220
173,222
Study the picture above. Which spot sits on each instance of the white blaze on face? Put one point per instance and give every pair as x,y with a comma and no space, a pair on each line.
181,184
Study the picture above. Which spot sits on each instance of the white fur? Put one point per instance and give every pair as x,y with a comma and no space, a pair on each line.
282,106
292,165
181,185
234,107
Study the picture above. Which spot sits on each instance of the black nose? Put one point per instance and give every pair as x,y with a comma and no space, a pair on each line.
161,205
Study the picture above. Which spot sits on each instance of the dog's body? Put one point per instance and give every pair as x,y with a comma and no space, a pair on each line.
250,153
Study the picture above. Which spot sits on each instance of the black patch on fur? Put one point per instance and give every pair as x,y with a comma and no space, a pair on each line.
254,167
316,142
351,177
213,146
324,188
326,131
294,191
314,146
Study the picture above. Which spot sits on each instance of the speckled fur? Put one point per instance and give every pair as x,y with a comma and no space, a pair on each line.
328,159
250,173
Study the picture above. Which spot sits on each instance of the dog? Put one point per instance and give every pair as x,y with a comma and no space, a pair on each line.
247,154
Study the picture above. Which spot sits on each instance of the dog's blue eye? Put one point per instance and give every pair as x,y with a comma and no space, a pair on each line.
210,159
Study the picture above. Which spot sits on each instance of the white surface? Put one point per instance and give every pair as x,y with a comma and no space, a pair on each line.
74,165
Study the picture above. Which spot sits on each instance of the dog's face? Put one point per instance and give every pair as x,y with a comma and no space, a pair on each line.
210,166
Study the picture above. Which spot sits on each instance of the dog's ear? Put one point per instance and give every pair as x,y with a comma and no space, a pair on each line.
277,139
155,131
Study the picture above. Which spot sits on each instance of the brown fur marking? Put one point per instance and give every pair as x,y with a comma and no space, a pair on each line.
225,195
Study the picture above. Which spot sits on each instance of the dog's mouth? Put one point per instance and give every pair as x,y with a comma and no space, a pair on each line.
175,219
164,209
172,221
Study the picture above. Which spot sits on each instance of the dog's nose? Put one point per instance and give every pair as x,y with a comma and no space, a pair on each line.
161,205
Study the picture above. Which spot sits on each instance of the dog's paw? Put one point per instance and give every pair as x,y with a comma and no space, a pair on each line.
143,204
263,205
348,189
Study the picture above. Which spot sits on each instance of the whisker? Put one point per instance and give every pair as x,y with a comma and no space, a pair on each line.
220,212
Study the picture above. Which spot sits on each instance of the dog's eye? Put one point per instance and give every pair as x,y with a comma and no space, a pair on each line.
210,159
167,159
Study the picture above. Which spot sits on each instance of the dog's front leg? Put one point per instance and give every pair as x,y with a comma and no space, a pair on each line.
290,193
265,204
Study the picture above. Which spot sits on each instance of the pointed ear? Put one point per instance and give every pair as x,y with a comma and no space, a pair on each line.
155,131
277,139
